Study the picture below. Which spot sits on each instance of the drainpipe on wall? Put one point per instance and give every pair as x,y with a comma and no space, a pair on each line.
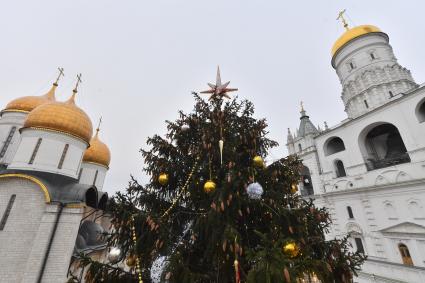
51,238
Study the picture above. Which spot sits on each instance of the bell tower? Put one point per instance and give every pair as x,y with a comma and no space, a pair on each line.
368,69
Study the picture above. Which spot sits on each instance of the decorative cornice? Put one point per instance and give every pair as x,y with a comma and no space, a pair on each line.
356,190
13,110
98,164
351,120
56,131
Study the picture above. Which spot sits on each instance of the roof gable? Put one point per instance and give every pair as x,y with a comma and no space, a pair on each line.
405,228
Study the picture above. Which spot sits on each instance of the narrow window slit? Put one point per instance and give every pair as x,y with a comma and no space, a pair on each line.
65,150
34,153
7,212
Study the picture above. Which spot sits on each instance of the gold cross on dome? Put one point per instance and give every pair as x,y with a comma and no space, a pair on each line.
61,74
341,17
302,106
78,82
98,125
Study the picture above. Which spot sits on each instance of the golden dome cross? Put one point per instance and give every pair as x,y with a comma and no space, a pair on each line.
98,125
78,82
341,17
61,74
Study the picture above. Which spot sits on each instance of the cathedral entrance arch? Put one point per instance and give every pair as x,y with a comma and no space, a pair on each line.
382,146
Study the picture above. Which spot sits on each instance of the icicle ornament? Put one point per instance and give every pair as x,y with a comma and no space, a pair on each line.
221,145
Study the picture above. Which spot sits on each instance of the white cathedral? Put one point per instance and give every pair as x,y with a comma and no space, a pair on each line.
369,170
52,171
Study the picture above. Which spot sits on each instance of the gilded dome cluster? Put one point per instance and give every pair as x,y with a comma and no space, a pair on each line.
46,113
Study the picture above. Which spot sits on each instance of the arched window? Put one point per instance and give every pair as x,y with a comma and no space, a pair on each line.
307,186
384,147
420,112
339,168
300,147
334,145
7,212
65,150
34,152
95,177
390,211
405,254
359,244
350,212
79,174
7,142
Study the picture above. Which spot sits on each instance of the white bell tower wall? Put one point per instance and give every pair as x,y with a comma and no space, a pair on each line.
369,73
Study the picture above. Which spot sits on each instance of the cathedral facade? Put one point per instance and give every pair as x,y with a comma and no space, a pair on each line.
369,170
52,170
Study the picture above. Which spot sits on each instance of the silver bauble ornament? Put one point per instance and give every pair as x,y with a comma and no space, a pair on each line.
255,191
114,255
185,128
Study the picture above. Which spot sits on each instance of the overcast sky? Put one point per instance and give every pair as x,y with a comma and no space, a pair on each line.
140,60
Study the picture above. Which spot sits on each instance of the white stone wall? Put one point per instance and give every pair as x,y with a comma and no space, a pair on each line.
49,153
88,174
62,246
388,203
7,121
401,114
18,236
24,240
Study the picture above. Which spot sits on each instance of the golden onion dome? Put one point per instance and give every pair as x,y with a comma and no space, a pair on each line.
98,152
351,34
28,103
64,117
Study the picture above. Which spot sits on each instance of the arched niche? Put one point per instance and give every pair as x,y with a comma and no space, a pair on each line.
382,146
307,185
420,111
339,168
334,145
405,254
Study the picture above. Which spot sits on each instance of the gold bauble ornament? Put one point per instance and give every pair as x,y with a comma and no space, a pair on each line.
258,161
163,179
294,188
131,261
291,249
209,186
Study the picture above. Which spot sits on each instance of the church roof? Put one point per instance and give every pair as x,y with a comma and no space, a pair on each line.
290,138
306,126
65,117
65,189
351,34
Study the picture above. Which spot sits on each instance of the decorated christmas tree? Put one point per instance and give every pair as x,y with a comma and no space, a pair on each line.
213,211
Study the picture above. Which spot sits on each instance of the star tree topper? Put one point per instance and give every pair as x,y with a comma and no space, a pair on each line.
218,89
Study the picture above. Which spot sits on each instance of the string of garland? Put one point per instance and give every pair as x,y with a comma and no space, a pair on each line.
184,188
133,232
